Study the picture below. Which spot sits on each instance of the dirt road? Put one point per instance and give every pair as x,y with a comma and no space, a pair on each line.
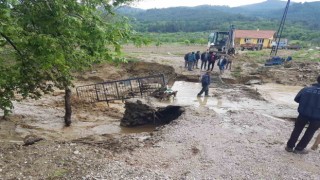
239,132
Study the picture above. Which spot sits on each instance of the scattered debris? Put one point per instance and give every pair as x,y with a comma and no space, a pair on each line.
31,139
253,81
164,93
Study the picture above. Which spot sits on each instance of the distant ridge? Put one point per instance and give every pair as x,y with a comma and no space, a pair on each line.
264,15
266,5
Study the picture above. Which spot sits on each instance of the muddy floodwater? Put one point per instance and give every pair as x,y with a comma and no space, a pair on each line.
278,104
279,94
219,98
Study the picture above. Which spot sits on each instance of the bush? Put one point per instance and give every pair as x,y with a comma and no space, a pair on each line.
187,42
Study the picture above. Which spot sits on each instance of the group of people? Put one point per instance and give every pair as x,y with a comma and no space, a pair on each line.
208,61
308,98
191,60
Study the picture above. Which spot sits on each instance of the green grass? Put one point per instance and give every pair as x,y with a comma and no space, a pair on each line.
59,173
237,72
306,55
257,54
299,55
179,37
132,59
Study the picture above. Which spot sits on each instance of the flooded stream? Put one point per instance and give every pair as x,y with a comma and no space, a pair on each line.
221,102
48,122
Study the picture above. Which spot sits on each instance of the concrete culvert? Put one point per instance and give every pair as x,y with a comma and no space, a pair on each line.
139,112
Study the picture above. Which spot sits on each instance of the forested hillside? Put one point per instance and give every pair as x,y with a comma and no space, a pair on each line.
186,19
305,14
263,6
301,24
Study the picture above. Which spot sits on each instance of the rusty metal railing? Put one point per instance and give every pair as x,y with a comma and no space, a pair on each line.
121,89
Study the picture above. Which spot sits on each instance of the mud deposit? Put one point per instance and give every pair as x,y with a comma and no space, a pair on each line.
238,132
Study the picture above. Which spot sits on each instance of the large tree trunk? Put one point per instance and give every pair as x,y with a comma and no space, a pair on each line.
67,103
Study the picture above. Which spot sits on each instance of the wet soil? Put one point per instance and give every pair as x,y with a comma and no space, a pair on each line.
238,132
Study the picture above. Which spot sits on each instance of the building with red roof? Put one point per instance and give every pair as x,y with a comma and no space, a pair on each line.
263,37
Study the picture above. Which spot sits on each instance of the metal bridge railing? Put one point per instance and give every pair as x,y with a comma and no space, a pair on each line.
121,89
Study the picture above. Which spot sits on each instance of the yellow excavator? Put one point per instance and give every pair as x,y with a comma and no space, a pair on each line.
222,41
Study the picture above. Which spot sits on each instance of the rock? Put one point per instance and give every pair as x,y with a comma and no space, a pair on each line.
31,139
140,112
253,81
139,102
76,152
142,139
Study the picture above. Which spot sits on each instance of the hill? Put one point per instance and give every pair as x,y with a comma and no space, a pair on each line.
301,24
263,6
306,14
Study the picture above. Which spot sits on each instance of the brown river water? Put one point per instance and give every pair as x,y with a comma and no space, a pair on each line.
48,122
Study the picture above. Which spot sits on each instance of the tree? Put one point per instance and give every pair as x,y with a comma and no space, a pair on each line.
315,41
53,38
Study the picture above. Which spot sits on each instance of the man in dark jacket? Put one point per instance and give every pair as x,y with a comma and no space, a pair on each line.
197,55
205,81
186,60
204,58
309,112
211,61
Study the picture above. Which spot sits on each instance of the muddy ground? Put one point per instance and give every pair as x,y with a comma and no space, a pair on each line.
239,132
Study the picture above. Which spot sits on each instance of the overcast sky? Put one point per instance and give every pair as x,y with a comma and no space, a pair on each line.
148,4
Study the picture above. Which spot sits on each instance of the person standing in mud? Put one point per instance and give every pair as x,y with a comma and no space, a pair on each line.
191,60
211,61
216,56
186,60
205,82
309,112
204,59
197,55
221,63
229,62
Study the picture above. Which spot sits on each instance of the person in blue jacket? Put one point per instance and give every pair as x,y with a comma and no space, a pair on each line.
309,112
191,60
197,56
221,63
205,81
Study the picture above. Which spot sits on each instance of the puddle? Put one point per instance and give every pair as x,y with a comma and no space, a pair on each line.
187,96
81,129
279,94
48,123
275,93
